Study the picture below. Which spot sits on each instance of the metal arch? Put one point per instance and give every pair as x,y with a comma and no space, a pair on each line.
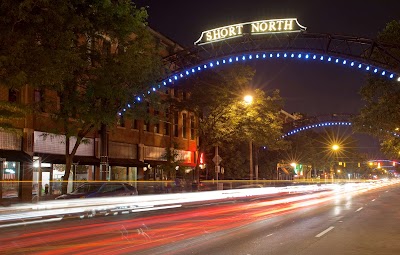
328,120
333,117
317,125
358,49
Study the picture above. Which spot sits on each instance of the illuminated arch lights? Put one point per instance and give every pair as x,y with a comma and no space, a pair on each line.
326,124
263,56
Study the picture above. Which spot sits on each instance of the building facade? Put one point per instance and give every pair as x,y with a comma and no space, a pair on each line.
32,158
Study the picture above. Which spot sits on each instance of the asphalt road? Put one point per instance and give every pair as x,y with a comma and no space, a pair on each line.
344,222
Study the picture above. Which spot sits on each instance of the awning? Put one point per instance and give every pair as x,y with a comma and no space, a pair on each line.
159,162
126,162
12,155
60,159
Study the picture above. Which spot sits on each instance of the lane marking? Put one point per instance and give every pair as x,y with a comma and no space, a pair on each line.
269,235
359,209
373,200
325,231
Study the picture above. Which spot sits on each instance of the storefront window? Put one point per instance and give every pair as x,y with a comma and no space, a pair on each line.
132,176
41,181
10,185
78,175
118,173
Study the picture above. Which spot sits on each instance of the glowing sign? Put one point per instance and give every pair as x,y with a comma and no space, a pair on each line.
250,28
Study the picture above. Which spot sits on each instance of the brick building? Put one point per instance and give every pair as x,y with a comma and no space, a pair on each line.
33,157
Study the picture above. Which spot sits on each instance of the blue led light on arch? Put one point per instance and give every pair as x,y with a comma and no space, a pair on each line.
277,54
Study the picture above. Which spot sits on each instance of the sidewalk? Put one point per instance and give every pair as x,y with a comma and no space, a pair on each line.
10,205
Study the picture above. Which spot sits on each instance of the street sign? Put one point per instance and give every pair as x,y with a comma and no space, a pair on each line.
217,159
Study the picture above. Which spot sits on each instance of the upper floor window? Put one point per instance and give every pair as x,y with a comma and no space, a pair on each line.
13,95
146,126
176,119
121,121
156,128
135,124
184,125
192,127
39,99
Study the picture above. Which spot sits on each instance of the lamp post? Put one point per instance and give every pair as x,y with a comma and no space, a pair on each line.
335,147
248,100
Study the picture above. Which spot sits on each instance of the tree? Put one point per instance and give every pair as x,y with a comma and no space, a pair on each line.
95,55
217,98
380,116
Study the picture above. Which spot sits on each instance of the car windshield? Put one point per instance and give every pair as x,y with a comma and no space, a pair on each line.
88,188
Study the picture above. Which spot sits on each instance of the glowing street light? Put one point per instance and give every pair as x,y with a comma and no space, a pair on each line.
335,147
248,99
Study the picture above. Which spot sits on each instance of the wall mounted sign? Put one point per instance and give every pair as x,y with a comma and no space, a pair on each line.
250,28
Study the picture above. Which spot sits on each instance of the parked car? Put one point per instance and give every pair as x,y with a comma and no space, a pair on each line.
104,189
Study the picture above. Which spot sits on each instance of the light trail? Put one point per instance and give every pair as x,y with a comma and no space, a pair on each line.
139,234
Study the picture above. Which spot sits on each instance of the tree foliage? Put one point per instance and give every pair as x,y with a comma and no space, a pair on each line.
380,116
95,55
226,121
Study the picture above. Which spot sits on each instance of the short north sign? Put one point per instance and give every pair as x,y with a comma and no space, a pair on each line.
253,28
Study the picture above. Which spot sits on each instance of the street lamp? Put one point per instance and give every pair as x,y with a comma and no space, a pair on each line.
335,147
248,100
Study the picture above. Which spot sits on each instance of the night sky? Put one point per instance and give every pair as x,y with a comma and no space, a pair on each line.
310,88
